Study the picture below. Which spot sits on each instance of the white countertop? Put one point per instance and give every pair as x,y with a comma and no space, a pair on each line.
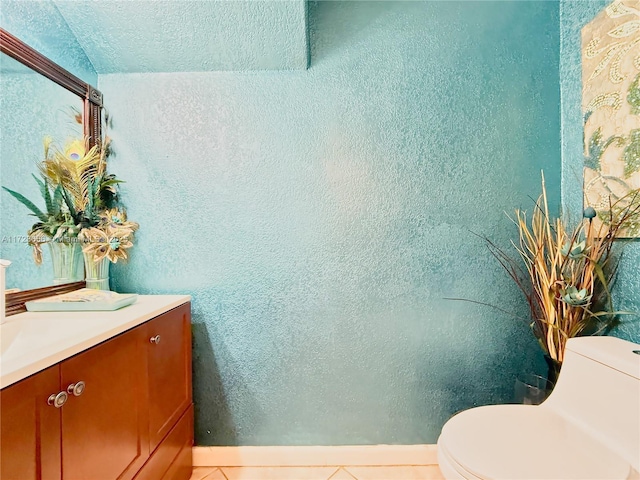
33,341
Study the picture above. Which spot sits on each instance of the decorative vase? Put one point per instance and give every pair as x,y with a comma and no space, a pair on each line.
532,389
97,273
553,369
68,264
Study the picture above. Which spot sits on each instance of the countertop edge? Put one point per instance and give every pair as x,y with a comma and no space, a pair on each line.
40,364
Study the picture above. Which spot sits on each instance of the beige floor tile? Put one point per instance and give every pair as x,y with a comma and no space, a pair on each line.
431,472
342,474
217,475
207,473
278,473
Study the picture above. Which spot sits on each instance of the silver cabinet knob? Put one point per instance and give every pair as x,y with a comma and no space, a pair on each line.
76,389
57,400
155,339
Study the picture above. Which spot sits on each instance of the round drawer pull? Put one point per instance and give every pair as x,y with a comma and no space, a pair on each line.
76,389
155,339
57,400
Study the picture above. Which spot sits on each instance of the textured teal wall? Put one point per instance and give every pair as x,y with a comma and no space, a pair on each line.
319,217
39,24
573,16
190,36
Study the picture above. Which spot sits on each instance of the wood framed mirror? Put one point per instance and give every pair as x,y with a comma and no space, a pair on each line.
19,58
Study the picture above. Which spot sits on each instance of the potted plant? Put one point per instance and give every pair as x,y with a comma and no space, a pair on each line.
104,231
566,272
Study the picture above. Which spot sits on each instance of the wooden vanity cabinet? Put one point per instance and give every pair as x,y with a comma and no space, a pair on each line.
128,410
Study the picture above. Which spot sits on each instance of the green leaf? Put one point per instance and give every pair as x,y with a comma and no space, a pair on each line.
111,182
633,97
57,199
44,190
27,203
592,160
597,147
631,154
69,202
617,312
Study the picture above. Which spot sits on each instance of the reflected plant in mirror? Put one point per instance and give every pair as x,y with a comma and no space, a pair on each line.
82,215
32,108
56,224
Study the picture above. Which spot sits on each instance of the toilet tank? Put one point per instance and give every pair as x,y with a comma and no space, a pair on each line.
599,390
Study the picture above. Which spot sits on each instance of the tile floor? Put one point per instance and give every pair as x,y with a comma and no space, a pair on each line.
421,472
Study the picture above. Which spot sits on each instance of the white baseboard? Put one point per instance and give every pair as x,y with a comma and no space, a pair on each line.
284,456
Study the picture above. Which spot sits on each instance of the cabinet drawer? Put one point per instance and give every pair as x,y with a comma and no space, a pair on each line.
168,346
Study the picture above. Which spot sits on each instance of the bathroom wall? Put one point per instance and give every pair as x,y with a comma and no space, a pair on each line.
574,15
39,24
320,217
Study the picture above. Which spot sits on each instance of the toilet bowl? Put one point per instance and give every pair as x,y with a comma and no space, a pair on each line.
588,428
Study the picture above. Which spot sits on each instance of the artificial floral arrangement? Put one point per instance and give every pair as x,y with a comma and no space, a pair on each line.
568,271
81,201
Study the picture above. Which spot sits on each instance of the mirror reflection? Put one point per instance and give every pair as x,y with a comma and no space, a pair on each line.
31,108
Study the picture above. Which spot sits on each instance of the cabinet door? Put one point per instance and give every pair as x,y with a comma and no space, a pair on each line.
169,370
30,428
105,427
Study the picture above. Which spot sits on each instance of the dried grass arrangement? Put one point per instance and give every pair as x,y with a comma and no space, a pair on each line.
566,273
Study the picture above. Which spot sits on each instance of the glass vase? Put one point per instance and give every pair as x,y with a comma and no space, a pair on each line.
553,369
97,273
68,264
532,389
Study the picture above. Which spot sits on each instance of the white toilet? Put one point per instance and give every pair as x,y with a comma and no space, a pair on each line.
588,428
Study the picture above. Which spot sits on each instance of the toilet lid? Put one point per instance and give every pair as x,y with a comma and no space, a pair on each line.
518,442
